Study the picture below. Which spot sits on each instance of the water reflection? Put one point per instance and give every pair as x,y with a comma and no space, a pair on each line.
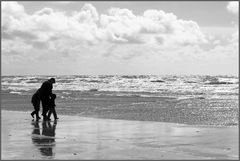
45,141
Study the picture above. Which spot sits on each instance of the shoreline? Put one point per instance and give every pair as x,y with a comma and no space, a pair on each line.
76,137
92,117
191,111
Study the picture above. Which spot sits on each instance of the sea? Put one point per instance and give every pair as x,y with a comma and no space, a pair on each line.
204,93
180,87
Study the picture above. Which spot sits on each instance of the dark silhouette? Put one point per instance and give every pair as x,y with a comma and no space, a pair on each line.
52,107
36,129
45,94
36,104
46,141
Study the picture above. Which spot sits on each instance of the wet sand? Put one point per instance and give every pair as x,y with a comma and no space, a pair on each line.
75,137
219,112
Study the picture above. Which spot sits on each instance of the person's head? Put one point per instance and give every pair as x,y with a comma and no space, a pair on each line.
53,96
52,80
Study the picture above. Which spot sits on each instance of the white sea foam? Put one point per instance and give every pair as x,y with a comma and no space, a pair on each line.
184,86
15,92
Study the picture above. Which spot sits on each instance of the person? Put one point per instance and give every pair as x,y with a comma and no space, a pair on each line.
52,107
45,94
36,104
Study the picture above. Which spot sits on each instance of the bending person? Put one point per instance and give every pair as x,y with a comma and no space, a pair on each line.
45,94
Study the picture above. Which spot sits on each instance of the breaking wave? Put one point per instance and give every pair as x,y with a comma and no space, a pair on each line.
177,86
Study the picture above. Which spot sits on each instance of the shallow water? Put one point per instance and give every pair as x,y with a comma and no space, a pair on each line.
197,111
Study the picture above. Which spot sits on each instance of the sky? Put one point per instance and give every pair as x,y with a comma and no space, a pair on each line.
120,38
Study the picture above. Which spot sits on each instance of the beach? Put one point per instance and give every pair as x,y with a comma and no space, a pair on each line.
125,80
123,117
75,137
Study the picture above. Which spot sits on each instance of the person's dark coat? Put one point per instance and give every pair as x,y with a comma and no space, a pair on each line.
46,89
45,93
36,100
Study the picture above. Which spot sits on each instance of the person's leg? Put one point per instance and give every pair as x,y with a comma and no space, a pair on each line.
44,112
37,113
49,113
48,110
55,114
32,114
44,106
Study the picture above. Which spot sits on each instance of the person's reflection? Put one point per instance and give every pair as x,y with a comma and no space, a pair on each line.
46,141
36,132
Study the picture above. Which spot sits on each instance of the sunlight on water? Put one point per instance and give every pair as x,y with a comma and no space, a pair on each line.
176,86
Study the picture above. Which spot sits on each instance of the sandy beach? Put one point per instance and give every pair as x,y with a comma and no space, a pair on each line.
75,137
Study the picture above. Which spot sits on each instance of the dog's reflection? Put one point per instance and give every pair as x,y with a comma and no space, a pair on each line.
45,141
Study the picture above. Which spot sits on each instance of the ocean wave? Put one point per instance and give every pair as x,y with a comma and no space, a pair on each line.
209,79
217,83
93,90
157,81
135,76
213,80
15,92
190,82
160,85
95,81
65,80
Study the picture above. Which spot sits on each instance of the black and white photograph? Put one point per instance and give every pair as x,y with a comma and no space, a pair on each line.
119,80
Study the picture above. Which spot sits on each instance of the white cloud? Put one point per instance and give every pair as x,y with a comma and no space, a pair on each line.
233,7
235,37
87,14
13,9
49,34
63,2
123,26
87,26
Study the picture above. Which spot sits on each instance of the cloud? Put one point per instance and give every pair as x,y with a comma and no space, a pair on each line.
13,9
233,7
63,2
54,31
119,24
234,37
18,34
124,27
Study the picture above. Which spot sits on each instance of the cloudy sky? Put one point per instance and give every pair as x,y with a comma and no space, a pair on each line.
48,38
